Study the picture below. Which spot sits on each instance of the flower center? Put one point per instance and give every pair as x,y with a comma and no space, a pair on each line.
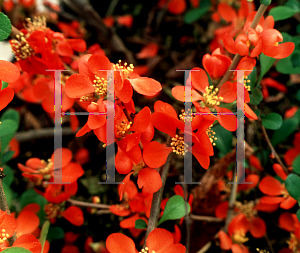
183,116
51,210
37,24
4,235
178,145
123,127
293,243
21,48
125,68
239,237
246,208
247,82
100,85
210,97
48,167
146,250
211,135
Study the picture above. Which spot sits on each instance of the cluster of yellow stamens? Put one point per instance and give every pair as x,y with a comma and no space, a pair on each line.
100,85
123,128
37,24
247,82
239,237
262,250
52,210
211,135
146,250
246,208
210,96
178,145
125,68
3,236
293,243
182,116
21,48
48,166
87,98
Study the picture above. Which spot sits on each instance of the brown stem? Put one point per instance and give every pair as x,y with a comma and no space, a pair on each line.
205,218
156,200
15,33
86,204
237,58
272,148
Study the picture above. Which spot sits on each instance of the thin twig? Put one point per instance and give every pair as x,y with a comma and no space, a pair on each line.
205,218
269,243
86,204
40,134
100,212
271,147
111,7
156,200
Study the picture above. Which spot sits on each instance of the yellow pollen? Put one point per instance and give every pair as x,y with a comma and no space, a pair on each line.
210,96
3,236
211,135
246,208
146,250
87,98
239,237
37,24
21,48
293,243
183,115
178,145
100,85
248,87
125,68
51,210
123,128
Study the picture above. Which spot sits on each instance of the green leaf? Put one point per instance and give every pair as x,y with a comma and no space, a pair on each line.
296,165
298,215
175,209
292,184
6,157
253,78
224,139
16,250
44,233
282,12
195,14
290,64
31,196
287,128
294,4
272,121
140,224
55,233
9,175
4,85
5,26
266,63
7,126
11,114
256,96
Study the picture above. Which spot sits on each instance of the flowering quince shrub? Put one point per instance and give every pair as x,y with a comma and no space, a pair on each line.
67,208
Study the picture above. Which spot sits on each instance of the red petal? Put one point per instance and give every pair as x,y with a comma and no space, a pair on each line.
249,113
226,12
225,241
149,50
228,92
221,210
9,72
229,121
288,203
119,210
78,85
145,86
229,44
29,242
156,154
166,108
178,248
164,123
27,222
159,239
78,45
279,171
122,162
116,243
271,200
281,51
199,79
74,215
271,186
286,221
6,95
177,7
141,120
257,227
178,92
149,179
72,172
64,49
125,94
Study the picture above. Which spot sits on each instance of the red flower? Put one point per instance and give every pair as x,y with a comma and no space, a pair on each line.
216,64
158,241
